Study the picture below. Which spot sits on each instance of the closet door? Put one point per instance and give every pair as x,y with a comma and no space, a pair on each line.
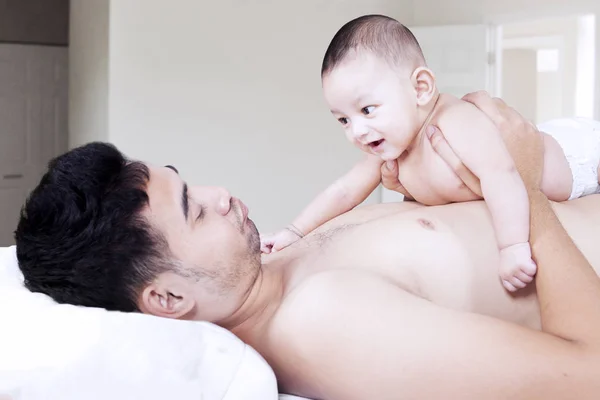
33,122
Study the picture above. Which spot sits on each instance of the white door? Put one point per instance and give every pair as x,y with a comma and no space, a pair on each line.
33,127
464,58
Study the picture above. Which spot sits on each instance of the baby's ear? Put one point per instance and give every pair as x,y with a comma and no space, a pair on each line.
423,80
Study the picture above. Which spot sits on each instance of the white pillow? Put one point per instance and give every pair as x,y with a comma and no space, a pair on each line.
54,351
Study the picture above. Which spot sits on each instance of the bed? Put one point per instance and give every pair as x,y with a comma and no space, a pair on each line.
56,351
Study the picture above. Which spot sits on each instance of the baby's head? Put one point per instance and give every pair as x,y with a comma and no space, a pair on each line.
377,84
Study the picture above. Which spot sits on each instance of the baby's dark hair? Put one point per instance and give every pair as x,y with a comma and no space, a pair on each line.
383,36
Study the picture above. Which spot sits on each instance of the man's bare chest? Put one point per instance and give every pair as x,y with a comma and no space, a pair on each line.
413,250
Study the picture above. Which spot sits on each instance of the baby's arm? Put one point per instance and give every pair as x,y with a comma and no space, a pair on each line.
476,141
344,194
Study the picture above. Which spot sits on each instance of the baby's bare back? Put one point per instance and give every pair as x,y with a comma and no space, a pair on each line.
430,180
425,175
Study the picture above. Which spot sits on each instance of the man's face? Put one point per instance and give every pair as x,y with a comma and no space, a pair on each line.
210,233
375,104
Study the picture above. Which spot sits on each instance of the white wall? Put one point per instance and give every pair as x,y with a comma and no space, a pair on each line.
439,12
519,79
549,93
443,12
229,92
88,71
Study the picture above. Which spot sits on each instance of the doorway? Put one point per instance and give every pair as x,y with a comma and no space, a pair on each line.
548,67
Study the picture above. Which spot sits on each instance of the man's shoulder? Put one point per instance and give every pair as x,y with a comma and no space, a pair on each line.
311,318
320,299
314,293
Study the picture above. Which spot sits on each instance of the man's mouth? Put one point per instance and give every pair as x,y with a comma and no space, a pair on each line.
243,210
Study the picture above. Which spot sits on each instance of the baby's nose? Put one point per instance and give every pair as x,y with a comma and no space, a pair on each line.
360,131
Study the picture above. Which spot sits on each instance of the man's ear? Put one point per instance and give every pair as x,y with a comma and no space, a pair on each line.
423,80
166,301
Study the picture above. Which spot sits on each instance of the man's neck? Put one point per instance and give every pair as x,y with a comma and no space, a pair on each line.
262,302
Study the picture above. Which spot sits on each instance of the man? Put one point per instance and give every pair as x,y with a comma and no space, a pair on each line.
375,304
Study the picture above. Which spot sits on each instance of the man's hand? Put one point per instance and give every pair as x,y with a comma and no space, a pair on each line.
522,139
390,181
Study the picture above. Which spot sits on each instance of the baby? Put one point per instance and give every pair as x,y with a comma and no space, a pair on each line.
377,85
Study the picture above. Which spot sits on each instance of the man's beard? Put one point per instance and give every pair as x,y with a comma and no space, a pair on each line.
253,238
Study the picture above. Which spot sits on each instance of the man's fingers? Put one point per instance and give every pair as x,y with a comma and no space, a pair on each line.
389,175
492,107
443,149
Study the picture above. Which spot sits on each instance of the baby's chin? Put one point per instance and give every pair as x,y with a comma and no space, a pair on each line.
390,155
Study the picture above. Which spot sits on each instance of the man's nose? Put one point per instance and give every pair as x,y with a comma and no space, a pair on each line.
223,200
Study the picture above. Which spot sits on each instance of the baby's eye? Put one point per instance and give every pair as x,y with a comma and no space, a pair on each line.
343,120
368,110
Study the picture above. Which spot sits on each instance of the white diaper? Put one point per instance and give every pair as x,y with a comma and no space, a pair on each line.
580,141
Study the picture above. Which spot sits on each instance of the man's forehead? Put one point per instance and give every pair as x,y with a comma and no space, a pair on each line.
162,186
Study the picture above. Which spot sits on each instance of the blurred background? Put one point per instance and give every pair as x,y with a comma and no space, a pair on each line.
230,91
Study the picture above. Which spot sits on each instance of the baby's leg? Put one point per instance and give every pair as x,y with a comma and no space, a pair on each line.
557,178
578,140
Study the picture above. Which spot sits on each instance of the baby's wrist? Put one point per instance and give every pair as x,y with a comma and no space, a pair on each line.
292,228
515,246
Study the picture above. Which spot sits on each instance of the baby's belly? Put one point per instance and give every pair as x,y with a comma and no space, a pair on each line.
449,264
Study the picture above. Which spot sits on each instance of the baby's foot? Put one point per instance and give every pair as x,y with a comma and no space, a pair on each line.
517,269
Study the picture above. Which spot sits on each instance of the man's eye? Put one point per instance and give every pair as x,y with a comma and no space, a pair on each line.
368,110
343,120
200,214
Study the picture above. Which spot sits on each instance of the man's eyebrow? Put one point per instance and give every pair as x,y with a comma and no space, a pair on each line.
184,201
185,206
173,168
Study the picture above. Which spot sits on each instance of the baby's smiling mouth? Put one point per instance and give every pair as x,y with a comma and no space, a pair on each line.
374,145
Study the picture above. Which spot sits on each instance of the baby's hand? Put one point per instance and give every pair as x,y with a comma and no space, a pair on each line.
278,241
517,269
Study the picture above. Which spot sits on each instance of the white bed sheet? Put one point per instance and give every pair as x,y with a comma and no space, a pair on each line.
52,351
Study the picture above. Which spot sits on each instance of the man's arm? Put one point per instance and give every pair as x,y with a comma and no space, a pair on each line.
483,152
568,287
343,195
